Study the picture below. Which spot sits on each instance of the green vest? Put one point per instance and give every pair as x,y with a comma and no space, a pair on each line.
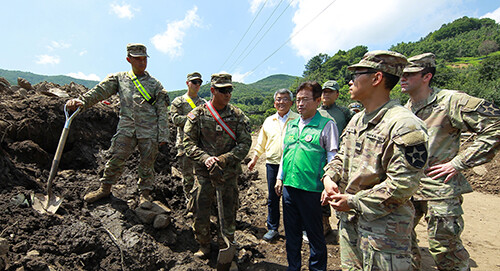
303,156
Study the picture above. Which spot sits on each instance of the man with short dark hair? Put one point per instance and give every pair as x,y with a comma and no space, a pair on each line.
310,142
270,142
181,106
217,137
447,113
143,122
377,169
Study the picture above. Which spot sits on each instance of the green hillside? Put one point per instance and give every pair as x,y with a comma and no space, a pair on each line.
12,76
468,59
255,99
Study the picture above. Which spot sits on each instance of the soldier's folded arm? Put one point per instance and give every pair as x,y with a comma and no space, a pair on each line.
191,136
403,173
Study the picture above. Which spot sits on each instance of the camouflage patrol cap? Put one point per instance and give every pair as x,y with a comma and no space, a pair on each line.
331,84
193,76
136,49
385,61
221,80
419,62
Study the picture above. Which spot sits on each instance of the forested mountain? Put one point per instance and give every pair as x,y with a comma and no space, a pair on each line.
12,76
255,99
467,59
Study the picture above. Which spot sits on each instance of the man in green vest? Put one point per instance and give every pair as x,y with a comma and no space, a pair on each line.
309,143
143,122
181,106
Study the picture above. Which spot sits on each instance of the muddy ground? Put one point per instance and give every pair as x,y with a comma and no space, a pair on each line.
108,235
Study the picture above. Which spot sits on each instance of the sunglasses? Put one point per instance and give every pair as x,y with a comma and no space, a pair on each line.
225,90
196,82
355,75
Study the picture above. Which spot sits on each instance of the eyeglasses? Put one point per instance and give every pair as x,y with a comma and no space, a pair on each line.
304,100
285,100
225,90
411,74
355,75
196,82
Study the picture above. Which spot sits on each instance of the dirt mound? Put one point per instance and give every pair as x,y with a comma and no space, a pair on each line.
81,236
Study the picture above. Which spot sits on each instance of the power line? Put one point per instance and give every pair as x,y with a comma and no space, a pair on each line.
256,34
263,35
262,62
257,15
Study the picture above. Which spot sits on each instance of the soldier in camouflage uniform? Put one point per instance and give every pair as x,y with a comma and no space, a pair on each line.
180,107
381,160
143,121
447,113
217,153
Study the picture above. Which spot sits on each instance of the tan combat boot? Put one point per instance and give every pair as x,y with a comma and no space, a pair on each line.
102,192
203,252
326,225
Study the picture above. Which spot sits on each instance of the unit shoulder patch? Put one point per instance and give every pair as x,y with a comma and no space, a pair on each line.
416,155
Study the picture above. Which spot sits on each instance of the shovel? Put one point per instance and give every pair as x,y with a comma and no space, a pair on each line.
50,203
226,255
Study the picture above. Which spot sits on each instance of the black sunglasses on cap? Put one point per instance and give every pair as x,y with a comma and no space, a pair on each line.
196,82
225,90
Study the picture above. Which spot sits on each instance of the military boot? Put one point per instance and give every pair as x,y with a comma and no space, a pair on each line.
145,199
103,192
203,252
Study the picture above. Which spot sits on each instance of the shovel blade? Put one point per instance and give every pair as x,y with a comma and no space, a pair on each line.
43,204
225,258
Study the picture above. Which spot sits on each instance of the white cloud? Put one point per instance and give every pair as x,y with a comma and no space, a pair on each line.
47,59
82,53
124,11
170,41
240,77
495,15
58,45
81,75
377,24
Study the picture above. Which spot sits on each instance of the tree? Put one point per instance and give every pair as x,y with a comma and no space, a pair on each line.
487,46
315,63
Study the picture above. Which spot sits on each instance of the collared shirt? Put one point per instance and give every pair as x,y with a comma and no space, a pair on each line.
448,113
270,140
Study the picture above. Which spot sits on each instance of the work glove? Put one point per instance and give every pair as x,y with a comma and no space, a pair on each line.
216,174
223,160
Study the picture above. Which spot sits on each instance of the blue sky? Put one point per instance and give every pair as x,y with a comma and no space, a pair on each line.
87,39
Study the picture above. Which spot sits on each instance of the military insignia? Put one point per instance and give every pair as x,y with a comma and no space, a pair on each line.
308,138
218,128
488,109
191,116
416,155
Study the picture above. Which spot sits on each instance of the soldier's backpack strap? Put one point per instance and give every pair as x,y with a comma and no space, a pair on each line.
220,121
141,89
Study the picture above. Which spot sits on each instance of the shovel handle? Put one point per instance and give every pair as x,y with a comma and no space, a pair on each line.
60,148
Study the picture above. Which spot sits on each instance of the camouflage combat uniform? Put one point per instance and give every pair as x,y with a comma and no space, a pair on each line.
380,163
204,138
339,114
141,124
178,110
447,113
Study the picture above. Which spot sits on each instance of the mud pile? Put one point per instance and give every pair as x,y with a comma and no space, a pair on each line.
80,236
